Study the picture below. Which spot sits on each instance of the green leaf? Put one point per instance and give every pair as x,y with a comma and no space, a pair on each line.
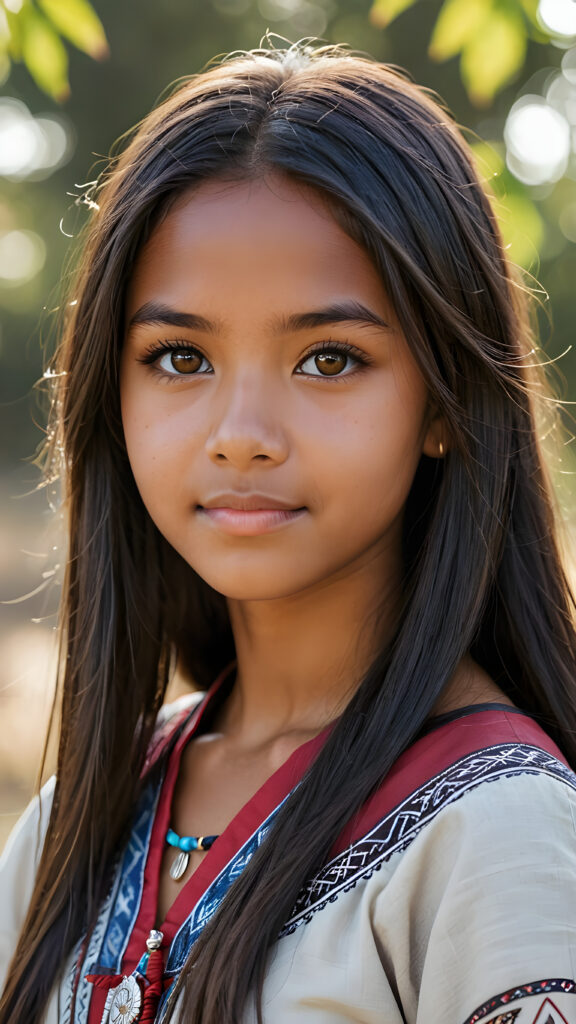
457,23
44,54
77,21
494,55
11,26
383,12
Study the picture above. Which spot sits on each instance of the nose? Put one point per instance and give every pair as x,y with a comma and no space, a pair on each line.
247,426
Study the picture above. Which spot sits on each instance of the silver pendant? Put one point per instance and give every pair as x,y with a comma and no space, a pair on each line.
126,1002
154,940
179,865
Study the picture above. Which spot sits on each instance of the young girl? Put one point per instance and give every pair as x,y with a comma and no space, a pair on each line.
294,417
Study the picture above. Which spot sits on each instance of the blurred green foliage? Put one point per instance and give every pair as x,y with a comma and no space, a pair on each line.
34,34
151,45
491,37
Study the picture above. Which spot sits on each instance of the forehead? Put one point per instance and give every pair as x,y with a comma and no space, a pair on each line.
261,242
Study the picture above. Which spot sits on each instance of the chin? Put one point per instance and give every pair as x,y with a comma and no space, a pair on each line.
246,590
246,584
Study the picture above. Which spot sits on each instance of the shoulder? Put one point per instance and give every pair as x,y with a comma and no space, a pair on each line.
471,874
455,802
18,866
490,886
457,905
25,842
486,785
453,760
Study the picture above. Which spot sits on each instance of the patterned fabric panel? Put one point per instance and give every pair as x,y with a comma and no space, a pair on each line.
208,905
119,912
549,1001
210,901
394,833
402,825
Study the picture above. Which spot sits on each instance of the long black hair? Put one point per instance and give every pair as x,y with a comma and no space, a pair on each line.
482,570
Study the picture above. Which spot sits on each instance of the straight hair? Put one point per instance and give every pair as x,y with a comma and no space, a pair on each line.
482,571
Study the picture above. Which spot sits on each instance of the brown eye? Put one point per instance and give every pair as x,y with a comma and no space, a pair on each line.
330,363
181,362
185,362
333,359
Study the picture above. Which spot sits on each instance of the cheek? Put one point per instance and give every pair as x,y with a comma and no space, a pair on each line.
379,477
377,448
376,471
153,443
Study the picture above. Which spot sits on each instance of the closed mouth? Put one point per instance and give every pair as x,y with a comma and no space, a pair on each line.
258,508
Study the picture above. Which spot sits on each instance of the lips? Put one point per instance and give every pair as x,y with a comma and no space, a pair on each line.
248,515
249,502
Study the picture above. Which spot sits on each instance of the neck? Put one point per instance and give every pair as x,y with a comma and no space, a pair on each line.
300,658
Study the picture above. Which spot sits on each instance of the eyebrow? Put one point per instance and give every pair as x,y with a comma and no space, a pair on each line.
156,313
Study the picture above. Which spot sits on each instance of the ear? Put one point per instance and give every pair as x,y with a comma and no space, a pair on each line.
436,440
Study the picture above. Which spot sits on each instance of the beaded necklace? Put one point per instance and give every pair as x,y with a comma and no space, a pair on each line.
185,845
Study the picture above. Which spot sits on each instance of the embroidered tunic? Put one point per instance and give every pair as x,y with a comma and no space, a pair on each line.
450,900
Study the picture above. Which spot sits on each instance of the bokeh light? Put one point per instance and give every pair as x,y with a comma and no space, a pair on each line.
30,147
558,17
301,17
569,65
561,94
567,222
538,141
22,256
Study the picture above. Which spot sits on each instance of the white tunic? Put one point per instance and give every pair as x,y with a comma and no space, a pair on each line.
452,900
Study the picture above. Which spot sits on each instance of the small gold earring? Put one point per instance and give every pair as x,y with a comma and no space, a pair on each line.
441,449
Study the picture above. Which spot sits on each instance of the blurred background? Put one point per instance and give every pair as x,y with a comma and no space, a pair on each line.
75,76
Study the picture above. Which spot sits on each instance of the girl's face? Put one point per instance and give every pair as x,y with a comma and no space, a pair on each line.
273,413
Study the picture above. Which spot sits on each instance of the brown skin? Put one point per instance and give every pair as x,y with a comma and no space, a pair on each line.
257,412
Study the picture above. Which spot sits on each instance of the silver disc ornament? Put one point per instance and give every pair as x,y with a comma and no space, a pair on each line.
126,1002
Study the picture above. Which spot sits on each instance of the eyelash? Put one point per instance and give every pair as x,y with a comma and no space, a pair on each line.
160,348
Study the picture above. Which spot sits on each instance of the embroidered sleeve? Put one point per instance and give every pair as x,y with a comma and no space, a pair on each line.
501,944
548,1001
477,924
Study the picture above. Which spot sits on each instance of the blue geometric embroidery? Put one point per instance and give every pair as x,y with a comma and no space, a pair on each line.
401,826
129,895
65,996
394,833
209,902
116,920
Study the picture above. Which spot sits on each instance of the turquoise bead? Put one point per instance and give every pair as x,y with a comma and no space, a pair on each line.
188,843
